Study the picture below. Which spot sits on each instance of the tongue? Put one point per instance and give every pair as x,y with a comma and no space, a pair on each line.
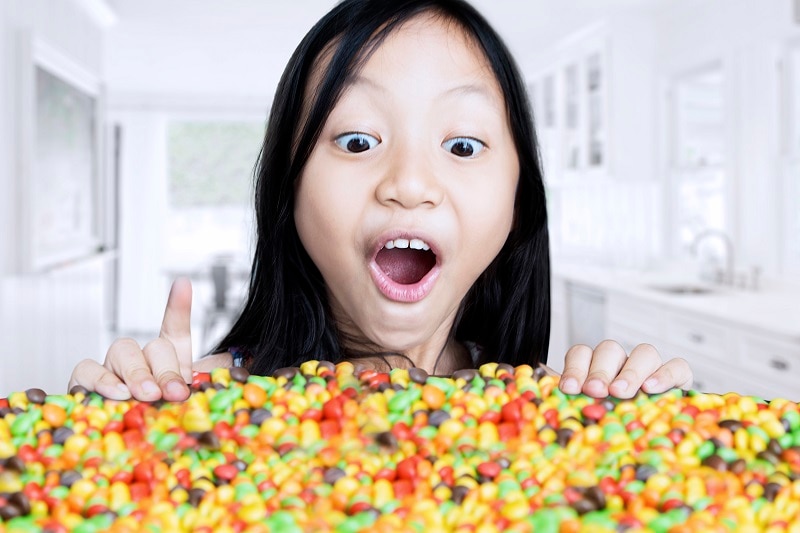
405,265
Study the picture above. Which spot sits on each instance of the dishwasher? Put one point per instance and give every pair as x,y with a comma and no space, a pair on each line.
586,308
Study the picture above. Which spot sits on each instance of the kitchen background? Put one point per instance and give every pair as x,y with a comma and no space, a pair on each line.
670,135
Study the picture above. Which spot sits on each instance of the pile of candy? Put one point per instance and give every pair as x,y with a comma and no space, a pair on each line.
325,448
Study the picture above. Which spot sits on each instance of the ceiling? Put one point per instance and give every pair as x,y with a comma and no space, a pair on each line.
522,24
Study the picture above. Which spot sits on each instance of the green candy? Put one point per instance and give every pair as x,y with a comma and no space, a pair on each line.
349,525
250,431
222,400
611,429
635,486
477,383
544,521
507,486
23,524
428,432
554,499
728,455
283,521
128,508
636,433
23,424
389,507
59,492
661,442
756,431
706,449
702,503
243,489
299,381
266,494
167,441
793,418
445,385
664,522
599,519
268,385
319,381
401,401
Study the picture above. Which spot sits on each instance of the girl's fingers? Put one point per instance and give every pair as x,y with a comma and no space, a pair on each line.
607,360
176,326
576,367
642,362
126,359
95,377
162,358
674,373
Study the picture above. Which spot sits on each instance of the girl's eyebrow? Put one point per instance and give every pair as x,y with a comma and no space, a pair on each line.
479,89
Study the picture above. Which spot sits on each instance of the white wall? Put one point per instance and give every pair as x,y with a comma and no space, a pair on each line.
47,321
747,36
591,217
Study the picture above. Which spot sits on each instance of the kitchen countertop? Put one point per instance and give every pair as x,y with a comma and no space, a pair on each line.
773,309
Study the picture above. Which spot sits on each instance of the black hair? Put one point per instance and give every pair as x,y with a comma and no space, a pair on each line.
286,318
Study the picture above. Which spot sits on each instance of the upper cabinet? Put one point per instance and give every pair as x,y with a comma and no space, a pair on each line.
571,102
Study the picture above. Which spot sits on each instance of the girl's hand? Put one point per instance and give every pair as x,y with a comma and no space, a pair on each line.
609,370
159,370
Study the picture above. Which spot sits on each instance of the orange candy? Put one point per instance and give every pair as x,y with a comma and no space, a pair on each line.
53,414
254,395
433,396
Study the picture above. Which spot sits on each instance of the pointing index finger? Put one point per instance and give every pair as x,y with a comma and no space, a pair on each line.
176,326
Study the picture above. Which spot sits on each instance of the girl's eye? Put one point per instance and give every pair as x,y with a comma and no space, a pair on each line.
355,143
466,147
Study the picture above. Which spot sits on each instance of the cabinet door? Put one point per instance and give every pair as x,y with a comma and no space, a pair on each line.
773,362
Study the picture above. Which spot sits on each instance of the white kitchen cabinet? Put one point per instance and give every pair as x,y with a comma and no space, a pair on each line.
724,356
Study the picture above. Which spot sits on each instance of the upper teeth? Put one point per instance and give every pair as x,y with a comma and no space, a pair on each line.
414,244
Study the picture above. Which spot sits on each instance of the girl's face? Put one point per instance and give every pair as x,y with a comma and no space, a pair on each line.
409,193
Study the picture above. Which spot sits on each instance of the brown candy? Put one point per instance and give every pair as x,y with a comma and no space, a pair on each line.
288,372
36,396
467,374
332,475
239,374
716,462
418,375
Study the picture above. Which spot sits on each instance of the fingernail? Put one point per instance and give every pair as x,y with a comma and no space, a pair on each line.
150,387
621,384
123,390
570,386
175,388
594,383
650,384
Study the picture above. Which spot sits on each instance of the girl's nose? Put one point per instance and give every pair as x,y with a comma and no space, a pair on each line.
410,181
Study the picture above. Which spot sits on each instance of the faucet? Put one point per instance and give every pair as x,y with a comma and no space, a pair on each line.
728,273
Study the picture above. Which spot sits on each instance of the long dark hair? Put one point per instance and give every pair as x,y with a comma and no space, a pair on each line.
286,319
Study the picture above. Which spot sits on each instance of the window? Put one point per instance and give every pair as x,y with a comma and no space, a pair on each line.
790,163
209,182
698,155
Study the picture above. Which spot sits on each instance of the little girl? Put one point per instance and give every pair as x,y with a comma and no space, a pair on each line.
400,215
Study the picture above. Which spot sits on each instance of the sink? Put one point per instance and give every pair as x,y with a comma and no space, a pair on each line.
683,288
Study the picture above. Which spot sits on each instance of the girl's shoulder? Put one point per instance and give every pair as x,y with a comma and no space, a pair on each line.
475,352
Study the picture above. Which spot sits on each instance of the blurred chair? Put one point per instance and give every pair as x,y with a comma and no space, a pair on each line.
226,304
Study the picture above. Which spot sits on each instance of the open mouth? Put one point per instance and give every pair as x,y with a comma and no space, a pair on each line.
406,261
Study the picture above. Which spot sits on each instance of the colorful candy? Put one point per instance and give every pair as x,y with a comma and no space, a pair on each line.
330,448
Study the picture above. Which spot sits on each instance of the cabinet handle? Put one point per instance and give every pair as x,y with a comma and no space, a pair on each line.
697,338
777,364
